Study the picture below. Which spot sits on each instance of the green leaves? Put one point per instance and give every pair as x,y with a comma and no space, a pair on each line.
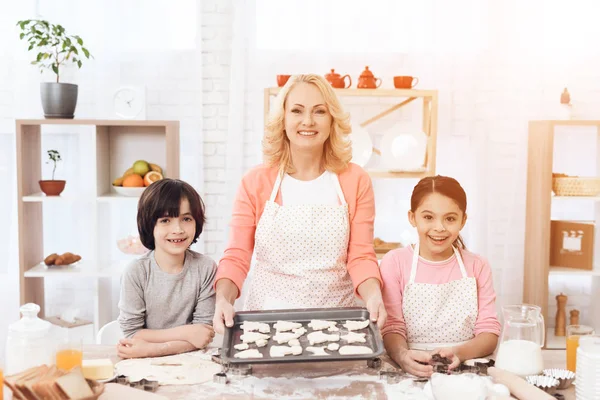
56,48
54,155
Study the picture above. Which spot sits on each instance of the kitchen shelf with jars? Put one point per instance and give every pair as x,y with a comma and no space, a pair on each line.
84,228
561,235
402,155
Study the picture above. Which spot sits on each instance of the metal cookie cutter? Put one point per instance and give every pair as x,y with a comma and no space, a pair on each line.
240,369
144,384
374,363
220,377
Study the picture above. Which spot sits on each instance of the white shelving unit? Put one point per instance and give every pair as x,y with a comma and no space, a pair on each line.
108,148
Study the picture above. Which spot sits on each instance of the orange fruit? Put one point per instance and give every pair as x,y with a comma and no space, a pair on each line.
133,180
152,177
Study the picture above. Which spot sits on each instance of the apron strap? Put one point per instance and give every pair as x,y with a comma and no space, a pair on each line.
415,261
461,264
338,188
276,187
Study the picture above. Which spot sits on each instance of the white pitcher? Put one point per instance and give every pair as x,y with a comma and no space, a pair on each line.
523,336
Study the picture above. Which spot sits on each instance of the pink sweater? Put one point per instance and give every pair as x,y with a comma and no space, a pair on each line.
249,204
395,271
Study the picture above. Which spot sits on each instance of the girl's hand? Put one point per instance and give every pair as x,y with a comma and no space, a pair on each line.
411,362
448,352
135,348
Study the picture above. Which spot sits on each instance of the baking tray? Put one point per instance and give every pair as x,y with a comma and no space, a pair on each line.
232,335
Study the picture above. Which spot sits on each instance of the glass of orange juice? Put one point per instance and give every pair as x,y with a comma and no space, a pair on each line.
69,354
573,334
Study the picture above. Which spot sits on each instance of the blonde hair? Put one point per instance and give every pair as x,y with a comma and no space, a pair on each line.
337,151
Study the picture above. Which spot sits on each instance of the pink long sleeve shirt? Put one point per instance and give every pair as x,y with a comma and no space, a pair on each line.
395,271
249,204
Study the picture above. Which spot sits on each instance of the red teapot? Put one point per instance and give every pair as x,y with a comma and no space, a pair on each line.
367,80
338,81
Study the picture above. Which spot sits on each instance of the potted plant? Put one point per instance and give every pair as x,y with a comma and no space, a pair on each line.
53,187
55,50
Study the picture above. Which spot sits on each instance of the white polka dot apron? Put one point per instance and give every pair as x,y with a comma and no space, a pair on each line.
441,315
301,253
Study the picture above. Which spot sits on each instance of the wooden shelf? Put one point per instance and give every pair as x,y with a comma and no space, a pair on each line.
105,151
573,271
374,92
98,122
116,198
575,198
81,269
40,197
398,174
568,122
539,201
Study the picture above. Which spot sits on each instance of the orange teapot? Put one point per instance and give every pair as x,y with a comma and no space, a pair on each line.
367,80
338,81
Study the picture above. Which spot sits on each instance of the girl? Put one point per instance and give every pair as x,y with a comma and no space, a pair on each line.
439,296
167,297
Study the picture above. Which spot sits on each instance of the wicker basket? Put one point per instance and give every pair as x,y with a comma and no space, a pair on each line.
575,186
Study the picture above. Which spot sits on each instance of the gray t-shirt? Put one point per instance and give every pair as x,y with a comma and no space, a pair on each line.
154,299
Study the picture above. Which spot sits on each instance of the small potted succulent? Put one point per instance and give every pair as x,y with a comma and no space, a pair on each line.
55,49
53,187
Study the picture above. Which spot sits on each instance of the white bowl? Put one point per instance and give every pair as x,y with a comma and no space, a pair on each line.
401,151
129,191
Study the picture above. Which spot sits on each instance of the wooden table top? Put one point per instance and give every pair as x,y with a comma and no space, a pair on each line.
320,380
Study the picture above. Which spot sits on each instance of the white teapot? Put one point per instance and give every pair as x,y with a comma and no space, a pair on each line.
30,342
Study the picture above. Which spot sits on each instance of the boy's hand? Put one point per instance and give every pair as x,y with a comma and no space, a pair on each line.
135,348
200,335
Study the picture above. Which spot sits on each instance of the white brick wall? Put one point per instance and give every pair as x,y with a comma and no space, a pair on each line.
217,19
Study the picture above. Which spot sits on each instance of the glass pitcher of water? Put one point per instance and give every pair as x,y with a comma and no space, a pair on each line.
523,336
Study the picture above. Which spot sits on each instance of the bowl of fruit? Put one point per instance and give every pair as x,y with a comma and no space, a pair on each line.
137,178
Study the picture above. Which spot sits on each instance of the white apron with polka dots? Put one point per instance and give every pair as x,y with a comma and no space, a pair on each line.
301,253
441,315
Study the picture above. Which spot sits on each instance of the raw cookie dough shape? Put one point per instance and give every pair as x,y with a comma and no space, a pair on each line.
333,346
319,324
250,326
284,326
251,353
250,337
354,350
356,325
281,351
320,337
353,337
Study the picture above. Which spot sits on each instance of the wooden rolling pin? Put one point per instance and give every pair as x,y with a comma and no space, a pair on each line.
518,387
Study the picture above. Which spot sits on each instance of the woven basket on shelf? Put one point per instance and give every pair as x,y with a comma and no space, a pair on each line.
575,186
